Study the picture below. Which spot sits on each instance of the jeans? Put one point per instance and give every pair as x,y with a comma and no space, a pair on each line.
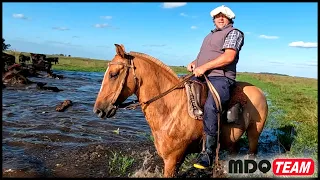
223,85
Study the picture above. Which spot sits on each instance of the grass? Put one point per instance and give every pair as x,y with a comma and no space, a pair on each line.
294,104
119,164
84,64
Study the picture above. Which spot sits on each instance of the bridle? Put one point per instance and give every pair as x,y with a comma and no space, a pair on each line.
133,104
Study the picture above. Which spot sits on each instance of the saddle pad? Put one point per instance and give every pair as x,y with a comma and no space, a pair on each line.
193,108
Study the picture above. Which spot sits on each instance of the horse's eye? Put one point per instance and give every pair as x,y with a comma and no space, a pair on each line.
114,74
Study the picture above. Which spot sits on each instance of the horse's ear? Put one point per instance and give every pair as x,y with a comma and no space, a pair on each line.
123,48
120,50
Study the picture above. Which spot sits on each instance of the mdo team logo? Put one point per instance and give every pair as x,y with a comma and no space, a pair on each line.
277,167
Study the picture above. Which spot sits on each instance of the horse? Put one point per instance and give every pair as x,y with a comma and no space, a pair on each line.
174,131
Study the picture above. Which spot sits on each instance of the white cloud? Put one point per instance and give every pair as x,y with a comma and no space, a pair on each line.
60,28
194,27
187,15
183,14
295,64
19,16
302,44
101,25
65,43
268,37
106,17
169,5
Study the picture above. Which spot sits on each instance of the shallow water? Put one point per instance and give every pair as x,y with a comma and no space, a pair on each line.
31,126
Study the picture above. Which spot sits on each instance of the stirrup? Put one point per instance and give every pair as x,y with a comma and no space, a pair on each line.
198,164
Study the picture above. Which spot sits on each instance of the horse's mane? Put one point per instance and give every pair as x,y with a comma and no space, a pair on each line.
156,61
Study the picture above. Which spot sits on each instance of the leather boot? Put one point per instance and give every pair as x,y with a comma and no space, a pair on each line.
206,158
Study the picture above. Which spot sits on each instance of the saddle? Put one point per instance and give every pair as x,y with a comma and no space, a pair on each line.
197,93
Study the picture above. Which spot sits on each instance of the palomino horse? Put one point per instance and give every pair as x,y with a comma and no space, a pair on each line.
174,131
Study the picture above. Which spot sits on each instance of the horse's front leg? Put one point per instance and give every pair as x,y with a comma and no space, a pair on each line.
173,161
170,166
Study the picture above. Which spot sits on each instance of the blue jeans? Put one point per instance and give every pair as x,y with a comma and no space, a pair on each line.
223,85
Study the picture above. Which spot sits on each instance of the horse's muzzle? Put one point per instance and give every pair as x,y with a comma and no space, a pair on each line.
109,112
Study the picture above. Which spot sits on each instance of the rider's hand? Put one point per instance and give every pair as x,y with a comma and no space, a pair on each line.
199,71
191,66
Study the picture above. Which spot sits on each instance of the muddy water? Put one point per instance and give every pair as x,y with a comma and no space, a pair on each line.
38,141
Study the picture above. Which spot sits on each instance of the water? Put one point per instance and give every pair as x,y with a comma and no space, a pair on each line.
38,139
29,118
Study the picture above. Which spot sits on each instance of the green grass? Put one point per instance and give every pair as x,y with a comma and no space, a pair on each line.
85,64
119,164
294,103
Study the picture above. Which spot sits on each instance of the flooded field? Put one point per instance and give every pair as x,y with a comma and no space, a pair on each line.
38,141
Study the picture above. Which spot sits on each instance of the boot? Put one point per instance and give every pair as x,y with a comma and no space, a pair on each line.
206,158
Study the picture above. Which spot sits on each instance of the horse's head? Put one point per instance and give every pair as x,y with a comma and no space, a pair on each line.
119,82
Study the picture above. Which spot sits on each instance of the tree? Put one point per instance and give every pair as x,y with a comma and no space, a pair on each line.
5,46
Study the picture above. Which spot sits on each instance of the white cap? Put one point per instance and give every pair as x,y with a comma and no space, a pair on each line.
224,10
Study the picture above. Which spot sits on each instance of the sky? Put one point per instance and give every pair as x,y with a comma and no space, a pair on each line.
279,37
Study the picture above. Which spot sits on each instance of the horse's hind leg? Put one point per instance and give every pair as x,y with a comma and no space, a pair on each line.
229,138
253,133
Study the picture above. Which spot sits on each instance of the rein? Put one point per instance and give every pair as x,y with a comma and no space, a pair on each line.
217,100
135,103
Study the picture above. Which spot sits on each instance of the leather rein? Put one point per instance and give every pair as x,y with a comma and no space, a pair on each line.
135,103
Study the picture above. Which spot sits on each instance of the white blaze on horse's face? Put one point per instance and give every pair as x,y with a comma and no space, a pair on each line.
105,74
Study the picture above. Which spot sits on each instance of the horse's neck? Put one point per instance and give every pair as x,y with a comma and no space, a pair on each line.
154,82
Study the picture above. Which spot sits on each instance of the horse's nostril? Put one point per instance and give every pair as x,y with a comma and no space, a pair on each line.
96,111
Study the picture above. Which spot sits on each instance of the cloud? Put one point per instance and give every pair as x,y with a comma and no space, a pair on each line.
295,64
66,43
183,14
60,28
268,37
20,16
170,5
101,25
194,27
302,44
186,15
154,45
75,36
311,63
105,25
106,17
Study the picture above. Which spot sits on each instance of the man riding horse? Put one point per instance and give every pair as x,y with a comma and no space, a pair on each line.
217,59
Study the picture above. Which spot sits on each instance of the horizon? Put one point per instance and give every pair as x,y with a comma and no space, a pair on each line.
277,38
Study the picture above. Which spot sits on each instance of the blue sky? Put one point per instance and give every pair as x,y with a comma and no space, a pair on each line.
279,37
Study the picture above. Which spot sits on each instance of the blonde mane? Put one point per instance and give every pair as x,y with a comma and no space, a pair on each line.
156,61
